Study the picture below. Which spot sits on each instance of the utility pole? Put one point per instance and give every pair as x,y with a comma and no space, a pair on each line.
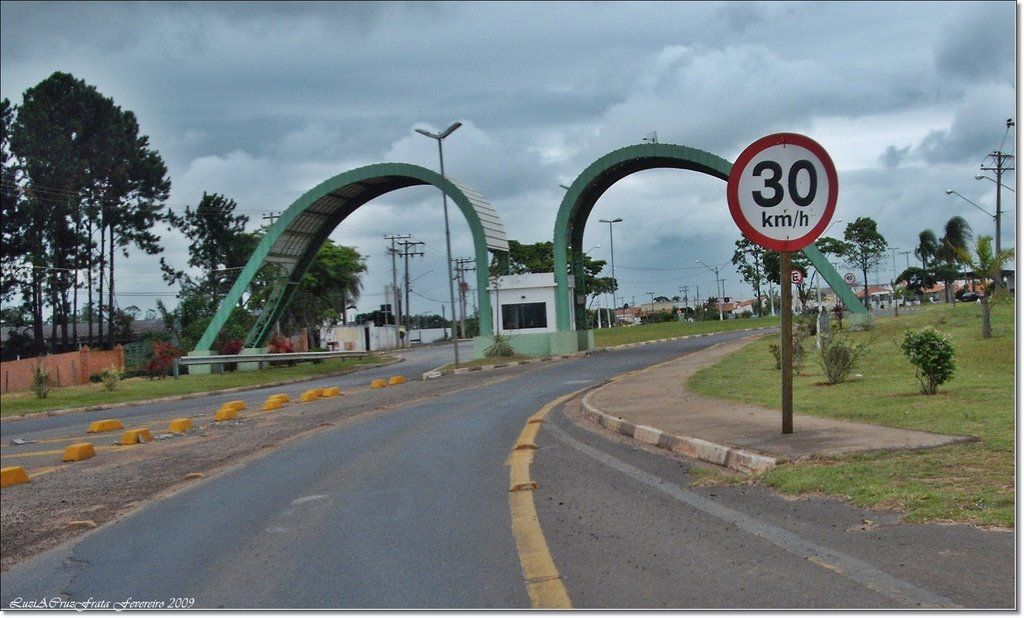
906,253
698,304
405,253
271,216
1002,163
461,267
686,297
395,295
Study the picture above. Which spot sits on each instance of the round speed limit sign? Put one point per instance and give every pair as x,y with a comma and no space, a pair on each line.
850,278
782,191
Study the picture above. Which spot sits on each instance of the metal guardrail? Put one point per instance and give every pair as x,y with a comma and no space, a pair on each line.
221,359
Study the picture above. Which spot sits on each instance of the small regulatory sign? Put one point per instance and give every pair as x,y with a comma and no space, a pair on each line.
796,277
850,278
782,191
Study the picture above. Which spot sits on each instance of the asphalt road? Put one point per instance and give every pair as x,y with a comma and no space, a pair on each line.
410,509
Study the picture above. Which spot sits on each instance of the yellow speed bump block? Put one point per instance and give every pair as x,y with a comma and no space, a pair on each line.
378,383
225,414
272,404
396,380
14,475
282,397
311,395
110,424
238,405
330,391
180,425
79,451
135,436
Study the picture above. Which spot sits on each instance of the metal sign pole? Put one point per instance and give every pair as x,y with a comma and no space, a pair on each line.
787,343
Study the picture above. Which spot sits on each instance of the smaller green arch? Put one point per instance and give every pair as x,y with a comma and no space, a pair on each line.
298,233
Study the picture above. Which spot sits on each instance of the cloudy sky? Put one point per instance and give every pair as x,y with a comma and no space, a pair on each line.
262,101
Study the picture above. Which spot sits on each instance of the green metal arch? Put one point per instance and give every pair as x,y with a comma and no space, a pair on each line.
591,184
332,201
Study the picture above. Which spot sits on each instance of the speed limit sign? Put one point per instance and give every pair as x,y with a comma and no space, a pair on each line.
850,278
782,191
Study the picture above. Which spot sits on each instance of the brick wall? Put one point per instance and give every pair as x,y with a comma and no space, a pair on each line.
65,369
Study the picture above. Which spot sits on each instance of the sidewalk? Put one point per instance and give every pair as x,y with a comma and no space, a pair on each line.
654,406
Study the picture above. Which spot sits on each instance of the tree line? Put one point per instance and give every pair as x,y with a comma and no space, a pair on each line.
81,187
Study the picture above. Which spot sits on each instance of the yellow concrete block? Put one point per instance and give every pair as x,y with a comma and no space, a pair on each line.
110,424
330,391
238,405
282,397
79,451
135,436
14,475
225,414
272,404
310,395
396,380
179,425
378,383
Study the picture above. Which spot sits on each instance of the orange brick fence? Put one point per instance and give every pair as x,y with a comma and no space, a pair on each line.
65,369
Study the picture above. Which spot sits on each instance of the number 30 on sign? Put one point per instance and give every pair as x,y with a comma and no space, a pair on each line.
782,191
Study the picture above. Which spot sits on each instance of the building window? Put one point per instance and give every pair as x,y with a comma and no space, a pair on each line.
524,315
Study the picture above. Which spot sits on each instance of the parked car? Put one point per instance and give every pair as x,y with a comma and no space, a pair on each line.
970,297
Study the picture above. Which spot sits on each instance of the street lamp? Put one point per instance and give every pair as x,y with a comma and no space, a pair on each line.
980,176
611,243
447,231
995,217
717,288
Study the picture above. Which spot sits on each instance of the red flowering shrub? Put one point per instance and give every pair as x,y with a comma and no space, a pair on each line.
162,360
231,346
281,344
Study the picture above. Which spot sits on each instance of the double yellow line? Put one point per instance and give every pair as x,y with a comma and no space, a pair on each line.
543,583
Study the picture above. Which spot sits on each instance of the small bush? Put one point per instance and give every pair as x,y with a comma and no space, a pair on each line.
501,346
798,354
162,360
280,345
41,381
111,377
776,351
231,346
932,354
837,359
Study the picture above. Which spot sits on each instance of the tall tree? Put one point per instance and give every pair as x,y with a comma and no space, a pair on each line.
927,247
539,257
749,261
331,283
987,266
952,246
866,248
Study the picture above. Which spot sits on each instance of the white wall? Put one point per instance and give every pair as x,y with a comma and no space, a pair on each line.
525,288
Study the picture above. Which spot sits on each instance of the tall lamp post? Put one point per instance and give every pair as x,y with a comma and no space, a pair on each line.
718,289
447,231
994,217
611,245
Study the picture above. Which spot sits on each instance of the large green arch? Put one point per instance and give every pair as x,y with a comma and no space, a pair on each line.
298,233
590,185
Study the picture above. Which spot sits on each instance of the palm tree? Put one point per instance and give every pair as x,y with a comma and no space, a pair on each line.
954,240
927,247
986,266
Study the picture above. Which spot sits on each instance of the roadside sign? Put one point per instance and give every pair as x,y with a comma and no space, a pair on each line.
782,191
796,277
850,278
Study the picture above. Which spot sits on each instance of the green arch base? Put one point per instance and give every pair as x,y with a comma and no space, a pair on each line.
584,192
293,240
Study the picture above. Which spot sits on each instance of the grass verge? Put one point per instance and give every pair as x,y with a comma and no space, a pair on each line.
971,483
141,389
607,337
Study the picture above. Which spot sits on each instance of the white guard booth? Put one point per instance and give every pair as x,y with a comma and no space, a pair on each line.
524,307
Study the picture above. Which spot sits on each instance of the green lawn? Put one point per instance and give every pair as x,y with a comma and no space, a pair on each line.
968,483
140,389
606,337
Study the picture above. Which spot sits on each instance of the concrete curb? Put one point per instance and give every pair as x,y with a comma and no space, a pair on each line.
730,457
435,373
223,391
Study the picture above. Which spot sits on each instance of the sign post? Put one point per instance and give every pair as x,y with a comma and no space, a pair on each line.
782,193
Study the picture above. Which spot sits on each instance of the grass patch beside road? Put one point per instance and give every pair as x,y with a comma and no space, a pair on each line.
966,483
607,337
141,389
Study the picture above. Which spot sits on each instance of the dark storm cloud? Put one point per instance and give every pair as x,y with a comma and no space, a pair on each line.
971,50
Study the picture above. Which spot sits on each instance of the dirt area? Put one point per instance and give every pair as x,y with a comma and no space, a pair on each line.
59,505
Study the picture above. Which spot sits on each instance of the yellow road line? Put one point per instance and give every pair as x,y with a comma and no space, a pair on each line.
543,583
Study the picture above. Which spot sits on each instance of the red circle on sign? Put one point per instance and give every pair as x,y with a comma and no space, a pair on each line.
739,167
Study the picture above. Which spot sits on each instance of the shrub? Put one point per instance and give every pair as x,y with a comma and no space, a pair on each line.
798,354
931,353
280,345
231,346
837,358
162,360
111,377
501,346
776,351
41,381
